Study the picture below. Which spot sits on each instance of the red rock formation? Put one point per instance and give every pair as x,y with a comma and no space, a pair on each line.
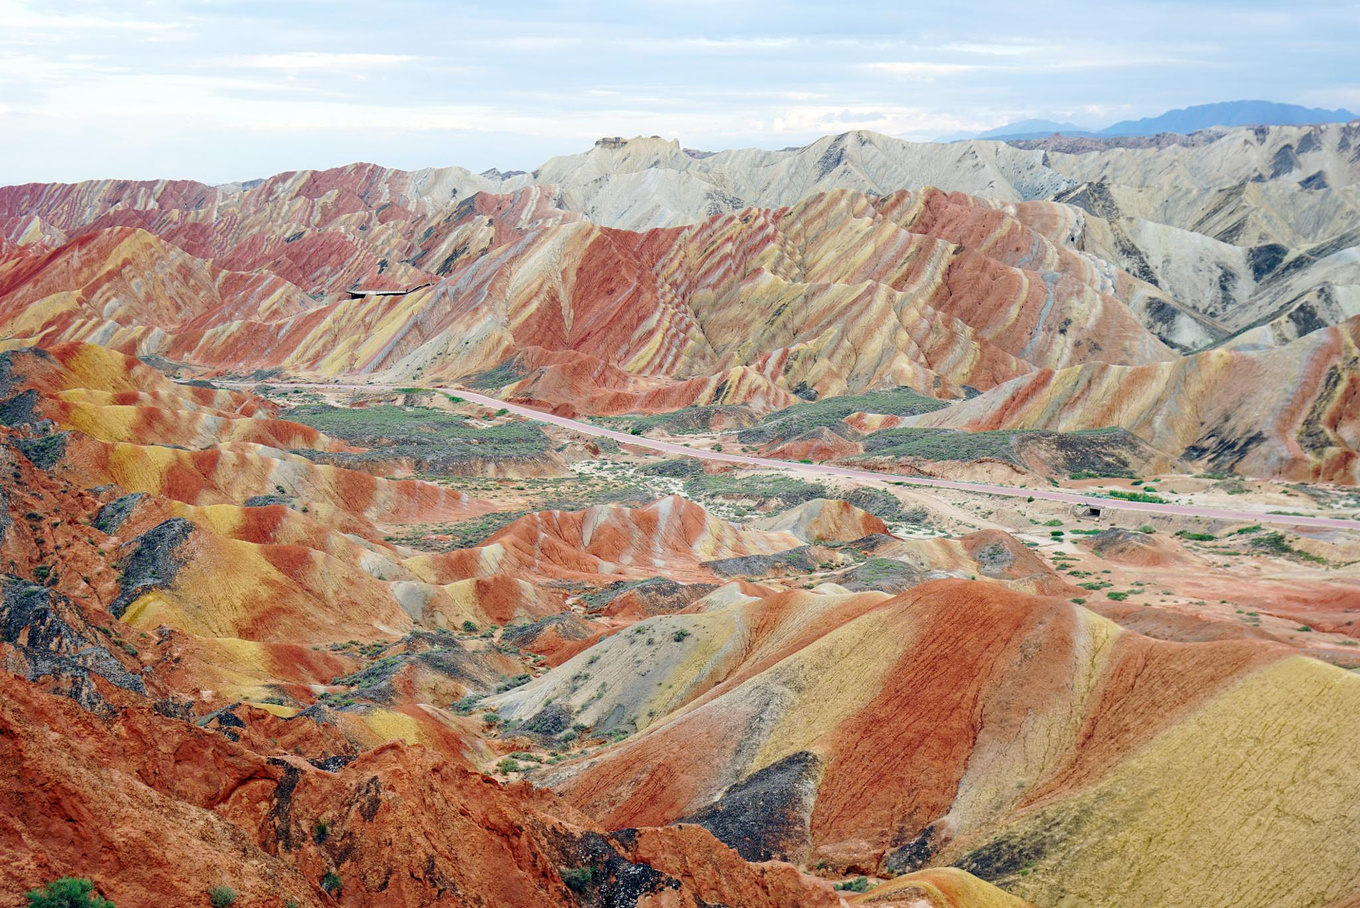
155,810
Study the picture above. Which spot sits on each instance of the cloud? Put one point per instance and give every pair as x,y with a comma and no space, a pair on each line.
316,60
525,43
20,15
701,45
1015,48
915,122
920,71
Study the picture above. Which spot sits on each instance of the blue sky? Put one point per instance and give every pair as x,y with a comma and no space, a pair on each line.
218,90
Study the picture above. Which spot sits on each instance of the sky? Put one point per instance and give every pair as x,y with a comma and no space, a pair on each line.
222,90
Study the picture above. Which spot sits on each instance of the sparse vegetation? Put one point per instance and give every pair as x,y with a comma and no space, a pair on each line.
67,892
785,491
1136,496
419,432
222,896
829,412
578,879
1274,543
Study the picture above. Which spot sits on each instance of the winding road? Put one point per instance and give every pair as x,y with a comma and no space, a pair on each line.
817,469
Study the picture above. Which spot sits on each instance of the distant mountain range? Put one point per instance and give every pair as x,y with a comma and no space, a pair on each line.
1184,120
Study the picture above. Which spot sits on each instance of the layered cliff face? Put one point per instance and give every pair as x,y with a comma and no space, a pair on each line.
166,810
1234,226
817,274
1290,411
963,723
838,293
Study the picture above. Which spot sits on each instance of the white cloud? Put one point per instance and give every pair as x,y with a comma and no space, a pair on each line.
920,71
316,60
913,122
997,48
21,15
525,43
700,45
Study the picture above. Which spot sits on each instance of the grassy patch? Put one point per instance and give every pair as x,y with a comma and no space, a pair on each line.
686,421
1196,537
800,418
785,490
1275,543
1136,496
941,444
437,443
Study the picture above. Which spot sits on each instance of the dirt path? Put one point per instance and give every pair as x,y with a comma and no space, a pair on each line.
817,469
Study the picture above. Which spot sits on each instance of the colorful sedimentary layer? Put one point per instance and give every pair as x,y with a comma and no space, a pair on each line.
166,810
1291,411
1025,715
659,306
237,649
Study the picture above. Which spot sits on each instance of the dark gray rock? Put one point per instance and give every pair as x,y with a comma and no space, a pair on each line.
44,451
48,642
112,515
151,562
766,816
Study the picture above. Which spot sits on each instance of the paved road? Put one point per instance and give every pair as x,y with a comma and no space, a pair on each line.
818,469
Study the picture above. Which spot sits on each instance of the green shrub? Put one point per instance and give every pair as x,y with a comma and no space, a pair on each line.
222,896
1136,496
1117,597
508,765
321,831
578,879
469,627
858,884
67,892
1053,523
331,882
680,635
1275,543
1147,528
1197,537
